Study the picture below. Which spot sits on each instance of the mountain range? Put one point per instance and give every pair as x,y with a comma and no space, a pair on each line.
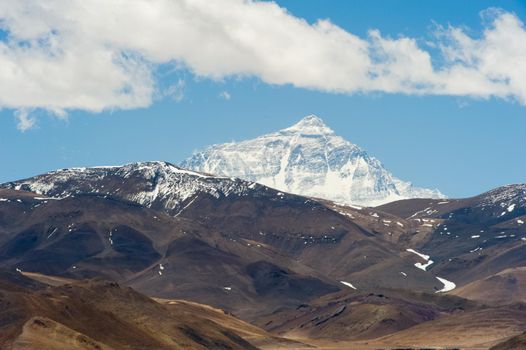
415,272
308,159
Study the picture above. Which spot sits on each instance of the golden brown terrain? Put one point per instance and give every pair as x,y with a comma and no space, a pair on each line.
96,314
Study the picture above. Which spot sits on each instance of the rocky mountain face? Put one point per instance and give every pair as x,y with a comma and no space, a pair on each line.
471,238
156,211
157,185
309,159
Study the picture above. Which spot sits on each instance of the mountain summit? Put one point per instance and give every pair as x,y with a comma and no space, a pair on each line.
309,159
311,124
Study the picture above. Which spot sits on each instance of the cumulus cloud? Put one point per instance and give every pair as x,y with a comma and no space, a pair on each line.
93,55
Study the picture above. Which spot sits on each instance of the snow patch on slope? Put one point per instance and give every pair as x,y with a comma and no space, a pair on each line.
348,285
423,256
448,285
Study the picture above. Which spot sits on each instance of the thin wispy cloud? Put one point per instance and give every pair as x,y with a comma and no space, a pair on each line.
225,95
175,91
93,55
25,121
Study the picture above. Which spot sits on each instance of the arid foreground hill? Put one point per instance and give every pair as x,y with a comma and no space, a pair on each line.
413,273
97,314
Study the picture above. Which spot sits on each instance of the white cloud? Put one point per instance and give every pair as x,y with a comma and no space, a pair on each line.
99,54
225,95
25,121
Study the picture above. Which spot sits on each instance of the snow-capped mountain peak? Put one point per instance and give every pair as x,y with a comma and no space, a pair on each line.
310,125
308,158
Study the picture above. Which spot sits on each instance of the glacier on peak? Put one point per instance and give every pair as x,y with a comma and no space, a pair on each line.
308,159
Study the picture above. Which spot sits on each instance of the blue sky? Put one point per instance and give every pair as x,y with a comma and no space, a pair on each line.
460,144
